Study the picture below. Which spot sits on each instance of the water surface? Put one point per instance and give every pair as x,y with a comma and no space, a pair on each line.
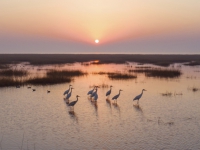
40,120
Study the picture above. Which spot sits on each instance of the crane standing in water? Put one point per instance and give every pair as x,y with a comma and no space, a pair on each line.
67,91
71,104
91,91
116,96
139,96
109,92
68,96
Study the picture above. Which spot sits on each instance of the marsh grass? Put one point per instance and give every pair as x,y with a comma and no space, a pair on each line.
103,85
120,76
13,72
159,73
6,82
142,67
192,63
4,66
116,75
166,93
48,80
65,73
55,77
51,77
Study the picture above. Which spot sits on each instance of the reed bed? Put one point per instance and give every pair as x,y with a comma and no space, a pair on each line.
6,82
120,76
116,75
13,72
4,66
48,80
66,73
142,67
160,73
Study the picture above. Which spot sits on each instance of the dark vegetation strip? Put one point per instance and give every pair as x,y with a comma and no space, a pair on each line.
41,59
13,72
4,66
52,77
115,75
160,73
68,73
6,82
48,80
120,76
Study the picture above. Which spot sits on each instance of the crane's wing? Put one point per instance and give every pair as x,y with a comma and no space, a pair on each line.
66,92
93,94
96,97
72,103
114,97
90,92
108,93
137,97
68,96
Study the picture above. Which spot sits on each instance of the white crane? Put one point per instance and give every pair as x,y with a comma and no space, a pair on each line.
139,96
94,93
116,96
96,96
68,96
109,92
67,91
91,91
71,104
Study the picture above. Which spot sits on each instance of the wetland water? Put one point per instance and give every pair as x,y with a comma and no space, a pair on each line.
40,120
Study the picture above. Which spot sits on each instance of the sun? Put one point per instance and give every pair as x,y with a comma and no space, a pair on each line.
96,41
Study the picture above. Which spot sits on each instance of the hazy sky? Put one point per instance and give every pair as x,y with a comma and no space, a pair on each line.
122,26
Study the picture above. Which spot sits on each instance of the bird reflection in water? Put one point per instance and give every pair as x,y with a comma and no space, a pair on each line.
116,106
73,115
108,102
95,104
138,108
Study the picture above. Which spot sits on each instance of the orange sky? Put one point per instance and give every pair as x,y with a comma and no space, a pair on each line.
107,21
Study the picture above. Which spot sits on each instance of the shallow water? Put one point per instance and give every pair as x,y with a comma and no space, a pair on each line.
40,120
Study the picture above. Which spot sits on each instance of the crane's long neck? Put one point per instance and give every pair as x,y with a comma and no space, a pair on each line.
71,91
77,99
141,93
119,93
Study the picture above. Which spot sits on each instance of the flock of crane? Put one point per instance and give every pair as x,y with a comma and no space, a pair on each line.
94,96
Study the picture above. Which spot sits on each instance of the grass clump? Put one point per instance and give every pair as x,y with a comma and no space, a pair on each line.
120,76
166,94
160,73
12,72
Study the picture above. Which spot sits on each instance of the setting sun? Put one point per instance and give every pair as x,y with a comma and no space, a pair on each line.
96,41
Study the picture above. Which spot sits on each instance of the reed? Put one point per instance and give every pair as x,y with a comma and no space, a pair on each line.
13,72
4,66
120,76
6,82
48,80
65,73
166,94
160,73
